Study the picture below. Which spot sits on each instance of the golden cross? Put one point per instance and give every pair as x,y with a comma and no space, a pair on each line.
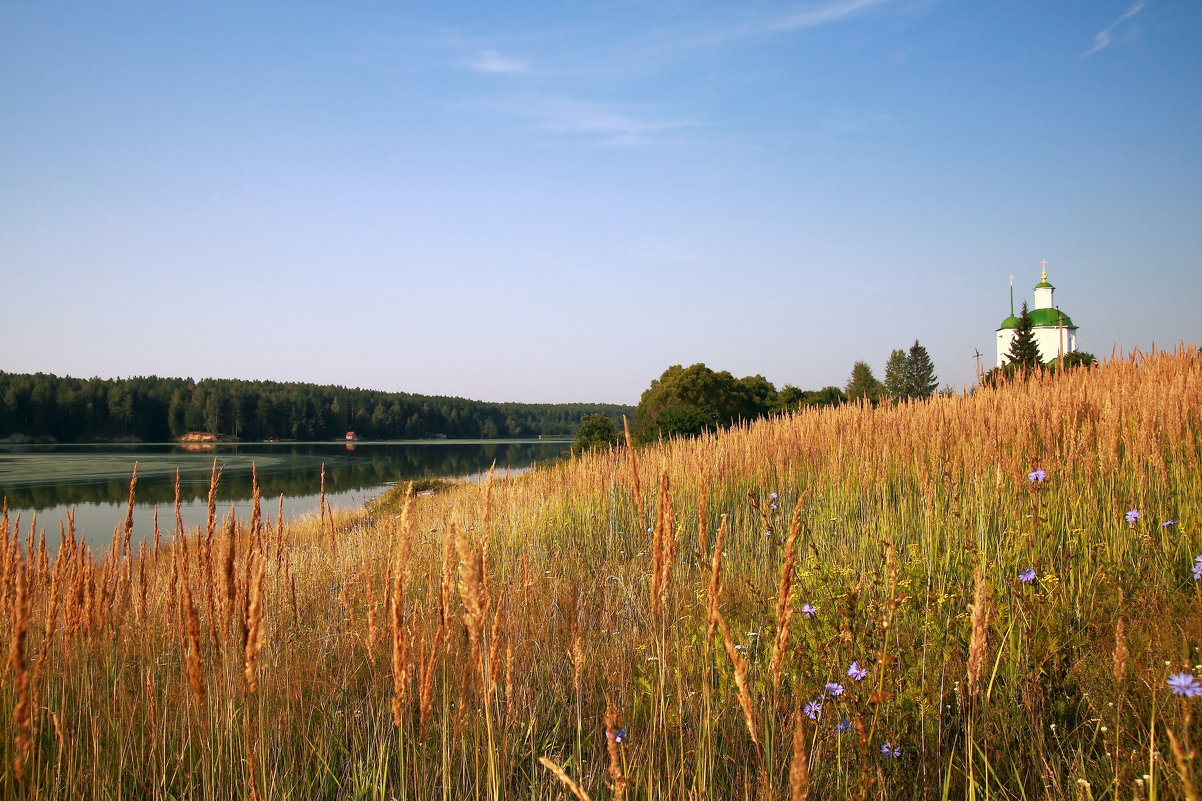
1044,263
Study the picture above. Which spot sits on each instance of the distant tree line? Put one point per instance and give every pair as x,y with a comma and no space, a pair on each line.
153,409
686,401
909,375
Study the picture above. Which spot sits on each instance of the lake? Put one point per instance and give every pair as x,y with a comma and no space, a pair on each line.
94,479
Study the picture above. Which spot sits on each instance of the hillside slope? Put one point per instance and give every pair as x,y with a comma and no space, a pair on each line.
974,595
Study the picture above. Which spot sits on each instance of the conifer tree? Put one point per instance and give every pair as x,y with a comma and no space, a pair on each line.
1024,351
921,381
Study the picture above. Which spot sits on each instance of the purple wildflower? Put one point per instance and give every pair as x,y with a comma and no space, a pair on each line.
1184,684
1168,523
772,506
1036,476
772,496
842,726
834,689
812,709
1198,570
808,610
1132,515
856,672
619,735
891,750
1027,576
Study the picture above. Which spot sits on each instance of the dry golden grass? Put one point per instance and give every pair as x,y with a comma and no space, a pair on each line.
526,617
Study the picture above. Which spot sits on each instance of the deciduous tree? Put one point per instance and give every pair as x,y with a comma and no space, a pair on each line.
897,378
595,431
685,401
863,385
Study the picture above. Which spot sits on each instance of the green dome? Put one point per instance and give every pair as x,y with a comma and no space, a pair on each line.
1044,285
1009,322
1050,318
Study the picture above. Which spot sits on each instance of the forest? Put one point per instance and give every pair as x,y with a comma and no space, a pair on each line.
50,408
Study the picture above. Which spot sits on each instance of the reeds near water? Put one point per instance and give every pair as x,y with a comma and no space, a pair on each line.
566,633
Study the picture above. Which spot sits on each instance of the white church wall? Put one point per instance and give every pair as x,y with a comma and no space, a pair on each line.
1004,338
1052,342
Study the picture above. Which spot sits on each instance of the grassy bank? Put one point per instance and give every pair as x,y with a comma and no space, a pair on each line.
682,623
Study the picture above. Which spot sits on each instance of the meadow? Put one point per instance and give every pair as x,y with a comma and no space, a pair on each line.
973,597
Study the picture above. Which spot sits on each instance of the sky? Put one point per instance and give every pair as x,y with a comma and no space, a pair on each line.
553,202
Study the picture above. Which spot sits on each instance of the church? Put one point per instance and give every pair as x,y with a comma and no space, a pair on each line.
1054,331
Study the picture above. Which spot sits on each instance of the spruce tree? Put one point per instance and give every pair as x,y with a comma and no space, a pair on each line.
920,373
897,375
1024,351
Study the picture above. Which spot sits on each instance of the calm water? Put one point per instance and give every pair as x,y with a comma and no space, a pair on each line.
94,479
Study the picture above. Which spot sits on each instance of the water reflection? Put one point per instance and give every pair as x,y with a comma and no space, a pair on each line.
95,480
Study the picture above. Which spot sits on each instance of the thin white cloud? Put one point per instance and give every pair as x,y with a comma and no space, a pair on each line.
492,62
648,50
628,126
810,17
603,124
610,126
858,122
816,16
1104,37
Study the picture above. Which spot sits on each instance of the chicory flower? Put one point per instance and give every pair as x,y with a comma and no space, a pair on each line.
1185,685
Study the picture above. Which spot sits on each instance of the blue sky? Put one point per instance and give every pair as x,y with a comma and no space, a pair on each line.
555,201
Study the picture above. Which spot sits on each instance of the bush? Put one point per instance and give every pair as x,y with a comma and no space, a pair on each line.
596,432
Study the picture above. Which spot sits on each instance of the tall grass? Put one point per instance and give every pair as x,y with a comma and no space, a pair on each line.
670,623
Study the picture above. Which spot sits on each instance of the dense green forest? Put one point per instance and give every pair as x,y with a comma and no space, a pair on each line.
153,409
